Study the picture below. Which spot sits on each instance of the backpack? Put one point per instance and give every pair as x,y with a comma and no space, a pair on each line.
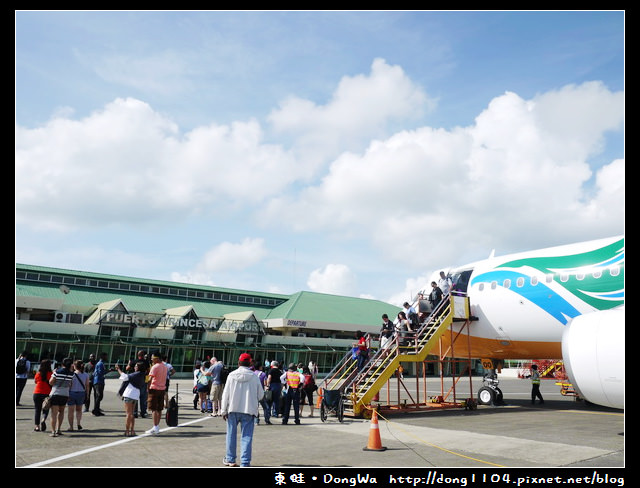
309,383
223,374
21,366
171,416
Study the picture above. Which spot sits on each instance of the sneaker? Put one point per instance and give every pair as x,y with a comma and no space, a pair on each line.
153,430
228,463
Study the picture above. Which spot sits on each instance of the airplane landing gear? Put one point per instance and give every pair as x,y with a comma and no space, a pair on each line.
489,393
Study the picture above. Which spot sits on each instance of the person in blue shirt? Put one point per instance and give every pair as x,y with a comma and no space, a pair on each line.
99,373
23,366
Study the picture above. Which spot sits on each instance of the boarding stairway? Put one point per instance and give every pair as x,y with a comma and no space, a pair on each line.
358,388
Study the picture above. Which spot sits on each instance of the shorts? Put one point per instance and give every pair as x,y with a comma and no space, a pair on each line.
216,393
58,400
76,398
204,388
129,400
155,400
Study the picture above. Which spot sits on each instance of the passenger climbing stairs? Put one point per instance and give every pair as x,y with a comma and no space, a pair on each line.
359,388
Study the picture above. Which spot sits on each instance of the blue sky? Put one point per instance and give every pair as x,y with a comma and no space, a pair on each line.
340,152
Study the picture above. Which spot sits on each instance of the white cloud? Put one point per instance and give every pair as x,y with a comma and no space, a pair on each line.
422,198
233,256
128,163
336,279
224,260
427,196
362,107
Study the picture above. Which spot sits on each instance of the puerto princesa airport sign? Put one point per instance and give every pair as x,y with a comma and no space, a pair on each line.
156,320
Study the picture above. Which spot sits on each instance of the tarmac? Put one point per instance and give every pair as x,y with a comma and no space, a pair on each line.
562,433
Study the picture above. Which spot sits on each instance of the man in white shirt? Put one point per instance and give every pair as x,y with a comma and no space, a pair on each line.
444,283
240,399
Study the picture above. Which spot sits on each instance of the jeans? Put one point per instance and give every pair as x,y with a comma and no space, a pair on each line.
363,357
266,408
246,422
98,395
276,390
38,398
87,401
20,384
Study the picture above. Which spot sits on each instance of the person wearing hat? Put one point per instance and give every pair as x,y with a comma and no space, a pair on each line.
293,381
240,399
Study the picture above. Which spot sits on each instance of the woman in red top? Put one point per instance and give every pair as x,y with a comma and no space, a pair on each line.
40,392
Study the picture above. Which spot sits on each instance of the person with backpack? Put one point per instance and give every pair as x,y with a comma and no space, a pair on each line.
23,366
308,388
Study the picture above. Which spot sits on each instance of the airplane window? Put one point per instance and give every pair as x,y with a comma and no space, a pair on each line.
615,271
549,278
534,280
520,282
481,287
597,274
494,284
580,276
564,278
507,284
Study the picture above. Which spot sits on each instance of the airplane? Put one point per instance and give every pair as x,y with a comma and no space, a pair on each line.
564,302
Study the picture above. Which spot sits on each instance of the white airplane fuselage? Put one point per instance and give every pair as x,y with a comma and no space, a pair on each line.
525,303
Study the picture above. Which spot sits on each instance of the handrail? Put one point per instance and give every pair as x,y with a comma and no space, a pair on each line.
341,374
384,362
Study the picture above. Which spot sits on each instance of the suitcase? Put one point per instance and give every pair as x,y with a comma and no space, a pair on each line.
171,417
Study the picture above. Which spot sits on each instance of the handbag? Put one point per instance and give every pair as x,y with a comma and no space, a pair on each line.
268,395
46,404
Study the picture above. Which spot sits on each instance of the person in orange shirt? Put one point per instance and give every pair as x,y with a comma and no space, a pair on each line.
40,392
157,387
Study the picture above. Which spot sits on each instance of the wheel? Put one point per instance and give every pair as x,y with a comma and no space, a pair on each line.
323,412
486,395
340,410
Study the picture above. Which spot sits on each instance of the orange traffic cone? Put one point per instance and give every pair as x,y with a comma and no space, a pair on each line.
375,444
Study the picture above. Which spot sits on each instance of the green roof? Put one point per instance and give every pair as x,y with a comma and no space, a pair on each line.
304,305
322,307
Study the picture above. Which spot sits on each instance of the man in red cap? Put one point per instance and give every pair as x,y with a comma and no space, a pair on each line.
240,399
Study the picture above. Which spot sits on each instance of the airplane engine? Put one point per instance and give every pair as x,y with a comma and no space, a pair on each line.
593,354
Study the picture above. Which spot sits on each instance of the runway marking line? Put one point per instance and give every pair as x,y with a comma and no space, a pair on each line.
110,444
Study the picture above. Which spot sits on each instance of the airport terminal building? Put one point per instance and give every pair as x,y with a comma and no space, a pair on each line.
66,313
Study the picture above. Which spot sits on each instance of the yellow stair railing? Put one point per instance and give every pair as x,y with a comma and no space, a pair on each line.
359,388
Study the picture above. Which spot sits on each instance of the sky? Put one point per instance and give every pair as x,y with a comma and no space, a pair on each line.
349,152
